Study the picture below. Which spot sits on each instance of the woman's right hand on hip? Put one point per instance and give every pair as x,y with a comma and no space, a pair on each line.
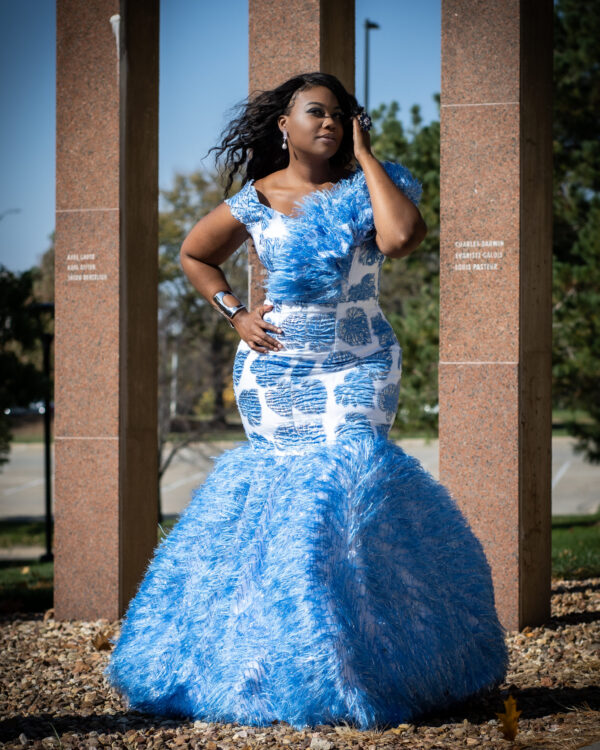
252,329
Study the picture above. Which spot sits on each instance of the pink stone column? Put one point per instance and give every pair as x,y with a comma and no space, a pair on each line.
106,303
288,38
495,316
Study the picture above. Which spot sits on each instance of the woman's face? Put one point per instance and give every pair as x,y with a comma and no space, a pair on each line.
315,123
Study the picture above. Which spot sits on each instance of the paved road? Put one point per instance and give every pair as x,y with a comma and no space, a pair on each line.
576,484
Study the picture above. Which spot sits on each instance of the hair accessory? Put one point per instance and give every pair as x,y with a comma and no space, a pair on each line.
225,309
284,144
364,120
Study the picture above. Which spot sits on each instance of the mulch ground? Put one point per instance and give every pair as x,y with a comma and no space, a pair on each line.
53,693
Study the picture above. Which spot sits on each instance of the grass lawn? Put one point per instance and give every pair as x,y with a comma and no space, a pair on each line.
28,585
576,546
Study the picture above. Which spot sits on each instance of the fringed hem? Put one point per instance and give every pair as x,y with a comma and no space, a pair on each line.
340,585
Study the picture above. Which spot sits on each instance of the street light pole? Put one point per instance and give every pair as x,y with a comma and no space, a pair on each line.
368,26
46,307
48,556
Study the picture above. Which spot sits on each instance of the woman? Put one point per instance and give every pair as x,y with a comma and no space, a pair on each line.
320,574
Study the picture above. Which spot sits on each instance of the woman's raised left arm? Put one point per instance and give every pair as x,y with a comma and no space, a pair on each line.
399,226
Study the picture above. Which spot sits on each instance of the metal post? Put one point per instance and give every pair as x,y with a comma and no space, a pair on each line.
47,338
368,25
46,342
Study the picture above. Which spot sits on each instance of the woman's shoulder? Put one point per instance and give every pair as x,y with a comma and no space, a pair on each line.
404,179
244,205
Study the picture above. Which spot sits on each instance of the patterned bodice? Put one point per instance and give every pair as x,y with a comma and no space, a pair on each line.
324,253
270,232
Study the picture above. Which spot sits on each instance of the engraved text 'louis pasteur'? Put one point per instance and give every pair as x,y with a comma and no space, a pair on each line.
478,255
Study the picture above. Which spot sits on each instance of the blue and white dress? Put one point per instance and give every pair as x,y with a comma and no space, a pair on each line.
320,574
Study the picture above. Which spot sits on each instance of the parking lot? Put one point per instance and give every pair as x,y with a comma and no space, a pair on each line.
575,483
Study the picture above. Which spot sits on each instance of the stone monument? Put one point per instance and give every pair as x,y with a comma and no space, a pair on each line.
495,279
106,303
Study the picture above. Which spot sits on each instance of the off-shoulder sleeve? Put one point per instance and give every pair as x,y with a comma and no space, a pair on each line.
245,206
410,186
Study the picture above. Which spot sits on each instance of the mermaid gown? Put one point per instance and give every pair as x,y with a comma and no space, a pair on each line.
319,574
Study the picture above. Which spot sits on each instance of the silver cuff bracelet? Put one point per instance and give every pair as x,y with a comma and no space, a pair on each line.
226,310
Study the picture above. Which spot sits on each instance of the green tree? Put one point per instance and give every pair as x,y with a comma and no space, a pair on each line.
410,286
576,243
43,285
20,326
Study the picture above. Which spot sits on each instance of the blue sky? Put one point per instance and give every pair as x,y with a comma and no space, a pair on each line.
203,73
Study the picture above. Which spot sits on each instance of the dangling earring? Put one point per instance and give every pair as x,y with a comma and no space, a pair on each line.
284,144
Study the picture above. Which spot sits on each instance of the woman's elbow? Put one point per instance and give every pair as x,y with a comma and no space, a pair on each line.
404,243
186,252
183,252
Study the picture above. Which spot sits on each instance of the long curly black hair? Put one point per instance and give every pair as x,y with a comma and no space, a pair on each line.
253,138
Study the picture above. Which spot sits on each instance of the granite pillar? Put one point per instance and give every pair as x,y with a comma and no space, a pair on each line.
106,303
495,314
285,39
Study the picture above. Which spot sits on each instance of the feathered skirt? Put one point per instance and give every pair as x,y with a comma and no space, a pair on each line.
318,575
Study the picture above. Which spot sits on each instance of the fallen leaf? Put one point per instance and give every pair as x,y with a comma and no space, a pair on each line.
400,729
509,719
101,642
